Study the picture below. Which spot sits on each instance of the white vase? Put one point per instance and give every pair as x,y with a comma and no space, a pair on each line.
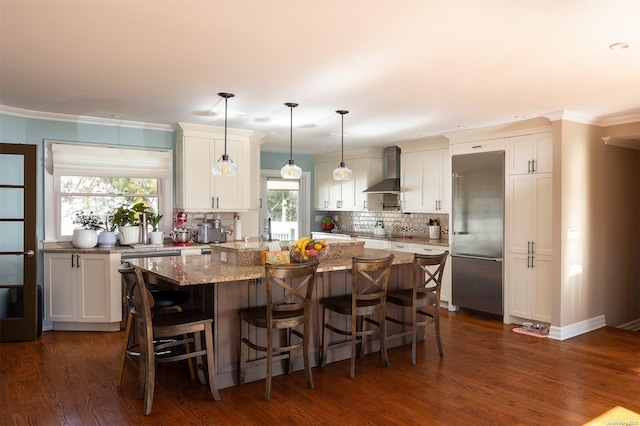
84,238
107,239
156,237
129,235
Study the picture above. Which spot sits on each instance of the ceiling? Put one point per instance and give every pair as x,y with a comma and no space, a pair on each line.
403,69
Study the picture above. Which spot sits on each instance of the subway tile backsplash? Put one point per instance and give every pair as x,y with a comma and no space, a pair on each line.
414,224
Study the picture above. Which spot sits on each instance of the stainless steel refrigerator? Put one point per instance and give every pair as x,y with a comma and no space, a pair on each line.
477,231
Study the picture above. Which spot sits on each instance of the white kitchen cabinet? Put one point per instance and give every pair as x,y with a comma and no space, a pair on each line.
529,226
374,243
198,148
426,181
366,168
83,288
530,154
328,192
366,172
529,217
530,286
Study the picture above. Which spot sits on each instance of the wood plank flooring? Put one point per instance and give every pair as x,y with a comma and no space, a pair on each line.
489,376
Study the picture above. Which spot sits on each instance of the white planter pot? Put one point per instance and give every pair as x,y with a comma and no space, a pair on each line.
84,238
129,235
107,239
156,237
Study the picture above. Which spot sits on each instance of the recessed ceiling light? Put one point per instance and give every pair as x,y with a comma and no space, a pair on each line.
461,126
519,117
338,134
619,46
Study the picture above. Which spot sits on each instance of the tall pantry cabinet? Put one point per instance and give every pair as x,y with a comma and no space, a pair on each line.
529,186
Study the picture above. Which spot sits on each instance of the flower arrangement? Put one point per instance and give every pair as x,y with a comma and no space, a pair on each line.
88,221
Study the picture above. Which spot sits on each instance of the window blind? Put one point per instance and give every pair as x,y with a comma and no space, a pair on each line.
88,160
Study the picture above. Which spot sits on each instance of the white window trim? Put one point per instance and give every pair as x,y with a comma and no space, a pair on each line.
165,199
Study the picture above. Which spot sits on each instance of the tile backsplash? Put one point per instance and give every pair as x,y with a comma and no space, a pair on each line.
414,224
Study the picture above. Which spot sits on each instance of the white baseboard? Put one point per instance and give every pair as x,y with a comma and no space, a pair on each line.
576,329
631,325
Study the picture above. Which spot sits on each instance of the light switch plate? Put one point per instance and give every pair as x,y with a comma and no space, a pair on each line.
573,233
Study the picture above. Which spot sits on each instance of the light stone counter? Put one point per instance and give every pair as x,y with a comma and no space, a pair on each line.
195,270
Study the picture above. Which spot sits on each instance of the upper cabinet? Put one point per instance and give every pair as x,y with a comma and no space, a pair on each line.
425,177
366,166
198,147
531,154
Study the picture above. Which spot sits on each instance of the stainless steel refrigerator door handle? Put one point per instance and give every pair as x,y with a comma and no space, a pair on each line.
466,256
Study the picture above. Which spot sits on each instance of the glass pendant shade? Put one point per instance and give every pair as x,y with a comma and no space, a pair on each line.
291,170
342,172
225,166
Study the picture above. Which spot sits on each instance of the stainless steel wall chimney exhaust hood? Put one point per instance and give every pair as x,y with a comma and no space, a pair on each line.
391,169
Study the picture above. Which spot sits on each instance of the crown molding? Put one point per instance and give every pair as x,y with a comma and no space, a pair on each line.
82,119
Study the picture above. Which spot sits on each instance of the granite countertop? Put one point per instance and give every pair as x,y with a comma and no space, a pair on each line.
67,247
194,270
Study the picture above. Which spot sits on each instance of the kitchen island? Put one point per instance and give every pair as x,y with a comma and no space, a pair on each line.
220,289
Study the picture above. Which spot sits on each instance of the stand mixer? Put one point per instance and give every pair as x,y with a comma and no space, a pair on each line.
181,235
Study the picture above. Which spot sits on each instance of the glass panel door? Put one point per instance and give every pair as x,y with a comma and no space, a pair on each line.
18,245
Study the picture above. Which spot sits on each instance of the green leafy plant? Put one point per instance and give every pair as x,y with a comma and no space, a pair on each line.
129,215
154,220
88,221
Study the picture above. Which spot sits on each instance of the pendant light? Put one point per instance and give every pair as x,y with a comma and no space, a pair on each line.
225,166
291,169
342,172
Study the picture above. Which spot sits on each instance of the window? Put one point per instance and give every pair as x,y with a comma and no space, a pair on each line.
100,195
90,178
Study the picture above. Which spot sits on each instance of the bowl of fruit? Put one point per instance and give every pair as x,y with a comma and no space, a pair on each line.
306,249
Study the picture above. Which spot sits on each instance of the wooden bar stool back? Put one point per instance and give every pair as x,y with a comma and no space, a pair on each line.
369,281
169,330
289,289
164,301
424,293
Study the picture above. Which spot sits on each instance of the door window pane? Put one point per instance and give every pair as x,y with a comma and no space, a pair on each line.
12,268
12,206
283,196
11,169
12,236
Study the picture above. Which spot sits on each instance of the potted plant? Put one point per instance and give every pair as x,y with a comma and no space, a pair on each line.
107,238
155,236
86,235
127,219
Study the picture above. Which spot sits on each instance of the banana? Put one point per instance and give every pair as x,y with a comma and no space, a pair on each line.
302,243
305,243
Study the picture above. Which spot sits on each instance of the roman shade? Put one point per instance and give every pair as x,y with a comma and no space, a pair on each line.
66,159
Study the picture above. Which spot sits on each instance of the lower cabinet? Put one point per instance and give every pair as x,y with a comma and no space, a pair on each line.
530,286
83,291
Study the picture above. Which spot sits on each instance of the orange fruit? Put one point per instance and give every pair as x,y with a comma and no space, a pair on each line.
317,246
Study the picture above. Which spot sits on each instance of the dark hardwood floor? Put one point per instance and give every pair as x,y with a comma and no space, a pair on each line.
489,375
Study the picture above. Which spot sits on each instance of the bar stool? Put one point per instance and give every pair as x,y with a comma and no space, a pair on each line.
289,289
424,293
169,300
167,328
369,280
